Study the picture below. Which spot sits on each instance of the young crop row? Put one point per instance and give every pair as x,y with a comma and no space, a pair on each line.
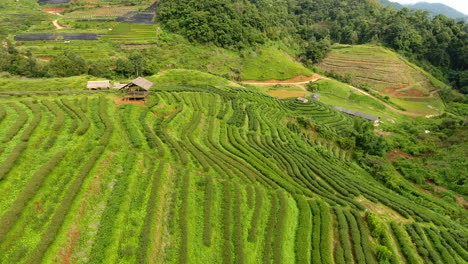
22,118
108,218
145,234
10,217
77,111
37,115
59,216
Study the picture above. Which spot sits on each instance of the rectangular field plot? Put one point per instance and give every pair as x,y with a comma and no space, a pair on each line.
132,33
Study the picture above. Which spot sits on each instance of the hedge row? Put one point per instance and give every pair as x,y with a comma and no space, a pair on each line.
152,140
407,248
10,217
316,228
280,229
238,226
3,113
442,249
365,234
326,235
344,235
227,245
253,230
107,122
462,252
12,159
84,125
270,230
109,216
59,116
304,231
355,237
37,115
16,127
209,198
127,121
145,234
57,220
183,250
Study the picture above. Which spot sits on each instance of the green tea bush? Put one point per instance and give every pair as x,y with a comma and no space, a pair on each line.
10,217
209,197
16,127
12,159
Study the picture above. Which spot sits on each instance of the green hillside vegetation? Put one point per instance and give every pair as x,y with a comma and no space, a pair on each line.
209,169
377,69
202,174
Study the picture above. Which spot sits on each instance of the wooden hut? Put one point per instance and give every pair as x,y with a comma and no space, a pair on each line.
137,89
302,100
97,85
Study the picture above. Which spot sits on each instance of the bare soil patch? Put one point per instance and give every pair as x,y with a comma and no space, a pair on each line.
54,10
120,101
397,154
297,79
412,92
44,58
382,210
285,94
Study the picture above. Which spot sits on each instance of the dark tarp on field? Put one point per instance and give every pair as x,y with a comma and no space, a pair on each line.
53,2
62,36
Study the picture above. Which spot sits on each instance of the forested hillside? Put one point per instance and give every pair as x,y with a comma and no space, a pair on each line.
440,45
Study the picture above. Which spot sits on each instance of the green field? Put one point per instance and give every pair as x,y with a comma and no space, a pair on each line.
202,174
385,72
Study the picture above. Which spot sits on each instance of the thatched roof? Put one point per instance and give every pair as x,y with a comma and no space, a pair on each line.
140,82
302,99
98,84
118,85
356,113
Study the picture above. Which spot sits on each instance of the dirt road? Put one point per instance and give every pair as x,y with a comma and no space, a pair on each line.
301,80
57,25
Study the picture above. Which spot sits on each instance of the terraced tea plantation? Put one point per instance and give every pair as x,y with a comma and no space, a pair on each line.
201,174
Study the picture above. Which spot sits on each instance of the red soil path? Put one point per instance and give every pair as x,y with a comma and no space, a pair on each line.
53,10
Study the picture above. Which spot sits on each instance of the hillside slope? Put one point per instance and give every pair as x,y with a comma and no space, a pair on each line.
382,71
203,174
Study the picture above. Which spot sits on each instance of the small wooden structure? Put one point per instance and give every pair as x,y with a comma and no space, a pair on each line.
118,85
137,89
302,100
315,96
97,85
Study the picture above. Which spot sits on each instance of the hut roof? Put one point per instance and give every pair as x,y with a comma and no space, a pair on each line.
98,84
143,83
356,113
118,85
302,99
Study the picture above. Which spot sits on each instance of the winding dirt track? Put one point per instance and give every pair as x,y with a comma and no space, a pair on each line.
57,25
301,80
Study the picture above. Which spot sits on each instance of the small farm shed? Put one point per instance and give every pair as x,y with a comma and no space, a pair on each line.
369,117
315,96
118,85
302,100
97,85
137,89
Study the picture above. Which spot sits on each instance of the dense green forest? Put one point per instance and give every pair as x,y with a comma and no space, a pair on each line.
440,44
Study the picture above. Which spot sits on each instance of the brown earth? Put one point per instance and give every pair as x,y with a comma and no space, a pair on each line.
120,101
53,10
413,92
39,209
397,154
285,94
65,254
297,79
44,58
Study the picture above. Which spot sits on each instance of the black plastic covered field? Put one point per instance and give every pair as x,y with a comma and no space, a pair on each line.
62,36
53,2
